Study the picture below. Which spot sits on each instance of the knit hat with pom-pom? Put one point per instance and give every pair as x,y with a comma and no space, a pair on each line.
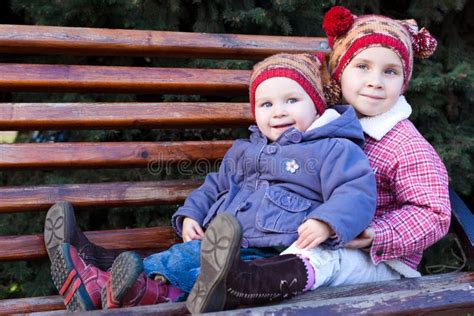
348,35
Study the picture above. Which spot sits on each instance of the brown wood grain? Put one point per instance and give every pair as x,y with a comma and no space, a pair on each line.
444,294
114,79
50,116
109,154
32,305
32,246
94,41
98,195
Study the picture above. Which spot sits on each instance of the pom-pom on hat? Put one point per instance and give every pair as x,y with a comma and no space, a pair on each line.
348,35
305,69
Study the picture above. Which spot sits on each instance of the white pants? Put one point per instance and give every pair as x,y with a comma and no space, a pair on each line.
343,266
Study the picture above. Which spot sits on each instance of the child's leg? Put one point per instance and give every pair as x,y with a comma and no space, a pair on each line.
129,286
60,226
343,266
179,265
226,281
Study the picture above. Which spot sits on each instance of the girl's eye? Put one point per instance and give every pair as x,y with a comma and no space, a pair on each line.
292,100
391,71
266,105
362,66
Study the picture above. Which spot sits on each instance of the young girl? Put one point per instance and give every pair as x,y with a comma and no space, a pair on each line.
294,178
371,64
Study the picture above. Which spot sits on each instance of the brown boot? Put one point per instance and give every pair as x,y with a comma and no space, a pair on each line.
226,282
60,226
129,286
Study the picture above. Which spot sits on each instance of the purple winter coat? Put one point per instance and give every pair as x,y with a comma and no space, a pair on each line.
272,188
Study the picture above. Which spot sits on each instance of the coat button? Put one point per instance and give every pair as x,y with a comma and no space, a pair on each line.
379,252
296,137
271,150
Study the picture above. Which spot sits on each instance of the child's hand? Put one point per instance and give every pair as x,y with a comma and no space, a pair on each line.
312,233
191,230
364,240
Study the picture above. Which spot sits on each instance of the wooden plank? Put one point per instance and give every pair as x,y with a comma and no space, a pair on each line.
31,305
429,295
94,41
109,155
49,116
98,195
32,246
358,299
114,79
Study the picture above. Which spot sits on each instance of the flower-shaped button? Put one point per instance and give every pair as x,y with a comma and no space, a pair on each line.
292,166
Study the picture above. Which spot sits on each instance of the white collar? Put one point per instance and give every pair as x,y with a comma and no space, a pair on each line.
378,126
327,117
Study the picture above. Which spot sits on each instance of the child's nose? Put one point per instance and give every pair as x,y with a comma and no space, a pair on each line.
374,80
279,110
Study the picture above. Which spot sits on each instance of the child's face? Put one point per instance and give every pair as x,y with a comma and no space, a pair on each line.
281,103
373,81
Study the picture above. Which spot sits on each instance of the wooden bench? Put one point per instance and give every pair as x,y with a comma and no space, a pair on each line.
441,293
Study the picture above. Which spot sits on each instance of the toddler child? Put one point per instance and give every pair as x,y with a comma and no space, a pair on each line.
371,64
301,175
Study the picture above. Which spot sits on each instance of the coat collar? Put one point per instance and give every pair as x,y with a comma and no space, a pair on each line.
378,126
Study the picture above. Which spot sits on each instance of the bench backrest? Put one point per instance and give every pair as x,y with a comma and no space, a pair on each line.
47,78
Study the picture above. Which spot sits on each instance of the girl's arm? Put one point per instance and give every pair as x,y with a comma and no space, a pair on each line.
421,184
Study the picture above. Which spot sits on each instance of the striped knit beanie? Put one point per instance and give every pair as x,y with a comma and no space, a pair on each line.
348,35
305,69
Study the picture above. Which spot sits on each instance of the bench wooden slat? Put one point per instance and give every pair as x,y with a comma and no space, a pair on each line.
29,247
94,41
114,79
334,300
108,154
48,116
97,195
415,297
31,305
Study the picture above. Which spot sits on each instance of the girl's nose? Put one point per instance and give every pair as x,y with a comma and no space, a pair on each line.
374,81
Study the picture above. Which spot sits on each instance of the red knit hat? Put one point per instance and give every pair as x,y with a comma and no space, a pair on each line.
305,69
348,35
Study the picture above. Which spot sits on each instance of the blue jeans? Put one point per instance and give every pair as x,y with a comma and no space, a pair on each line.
180,264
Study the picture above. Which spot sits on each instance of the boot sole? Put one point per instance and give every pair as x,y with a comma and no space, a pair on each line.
60,269
125,271
219,249
57,228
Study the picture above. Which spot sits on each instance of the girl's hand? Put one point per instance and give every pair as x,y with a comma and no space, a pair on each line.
191,230
312,233
364,240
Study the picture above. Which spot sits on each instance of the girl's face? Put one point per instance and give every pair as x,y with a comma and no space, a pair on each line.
373,81
281,103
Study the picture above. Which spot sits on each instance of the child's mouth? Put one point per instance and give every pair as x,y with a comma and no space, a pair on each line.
283,126
373,97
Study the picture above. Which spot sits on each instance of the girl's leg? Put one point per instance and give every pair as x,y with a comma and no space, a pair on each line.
226,281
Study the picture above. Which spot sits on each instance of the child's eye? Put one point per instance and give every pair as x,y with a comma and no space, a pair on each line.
292,100
391,71
362,66
266,105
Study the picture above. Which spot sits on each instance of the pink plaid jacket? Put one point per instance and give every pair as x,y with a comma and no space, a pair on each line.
413,208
